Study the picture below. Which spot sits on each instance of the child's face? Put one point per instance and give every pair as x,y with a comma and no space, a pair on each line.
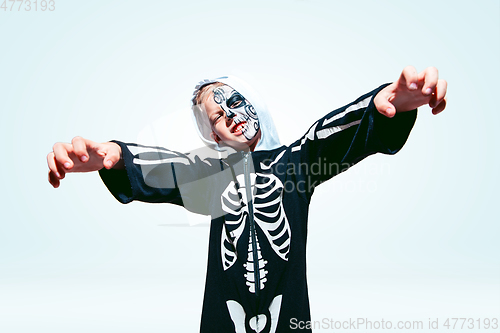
233,119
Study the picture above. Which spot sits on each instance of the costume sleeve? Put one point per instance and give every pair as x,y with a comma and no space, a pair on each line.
349,134
155,174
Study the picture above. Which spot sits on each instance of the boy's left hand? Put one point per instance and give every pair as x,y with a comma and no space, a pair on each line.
411,91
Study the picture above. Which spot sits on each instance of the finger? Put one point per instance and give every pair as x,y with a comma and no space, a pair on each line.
80,148
430,78
440,107
439,94
54,167
53,180
409,78
61,154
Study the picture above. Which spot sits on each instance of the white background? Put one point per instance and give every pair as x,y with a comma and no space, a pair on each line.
406,237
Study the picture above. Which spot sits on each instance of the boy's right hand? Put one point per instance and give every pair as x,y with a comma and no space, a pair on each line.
82,155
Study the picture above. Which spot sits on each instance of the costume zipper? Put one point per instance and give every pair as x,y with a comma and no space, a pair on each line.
248,187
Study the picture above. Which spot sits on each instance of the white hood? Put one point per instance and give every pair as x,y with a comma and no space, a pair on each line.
269,136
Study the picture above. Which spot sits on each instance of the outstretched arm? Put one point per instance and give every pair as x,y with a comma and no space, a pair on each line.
81,155
377,122
411,91
137,172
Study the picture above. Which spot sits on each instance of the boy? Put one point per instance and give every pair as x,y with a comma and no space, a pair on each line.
256,191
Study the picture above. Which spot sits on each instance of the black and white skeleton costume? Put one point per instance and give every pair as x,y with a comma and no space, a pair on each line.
258,202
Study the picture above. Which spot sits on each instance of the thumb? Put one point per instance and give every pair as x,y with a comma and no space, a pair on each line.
381,102
111,152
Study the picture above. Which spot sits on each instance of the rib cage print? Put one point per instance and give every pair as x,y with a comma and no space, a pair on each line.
269,215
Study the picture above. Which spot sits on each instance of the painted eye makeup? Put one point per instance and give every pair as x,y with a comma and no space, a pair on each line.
235,104
236,101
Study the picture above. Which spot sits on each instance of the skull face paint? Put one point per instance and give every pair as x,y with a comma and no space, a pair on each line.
239,109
